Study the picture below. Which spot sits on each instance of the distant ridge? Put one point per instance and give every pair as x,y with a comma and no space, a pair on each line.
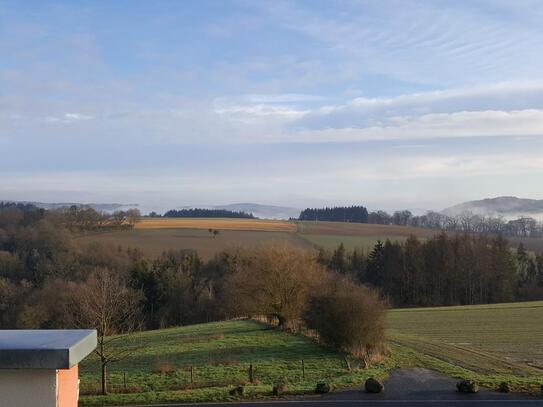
100,207
258,210
510,207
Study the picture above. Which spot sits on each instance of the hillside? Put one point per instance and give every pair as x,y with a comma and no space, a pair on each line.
509,207
220,354
488,343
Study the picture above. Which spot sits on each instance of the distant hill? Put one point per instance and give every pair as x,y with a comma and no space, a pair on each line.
258,210
263,211
509,207
101,207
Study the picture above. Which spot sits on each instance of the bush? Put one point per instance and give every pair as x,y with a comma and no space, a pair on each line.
467,386
163,367
322,387
504,387
347,316
237,391
374,386
279,389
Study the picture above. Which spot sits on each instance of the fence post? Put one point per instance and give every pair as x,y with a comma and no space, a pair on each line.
303,370
191,374
124,380
251,374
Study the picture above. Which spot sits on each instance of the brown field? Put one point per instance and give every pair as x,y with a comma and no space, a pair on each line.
361,229
217,223
155,241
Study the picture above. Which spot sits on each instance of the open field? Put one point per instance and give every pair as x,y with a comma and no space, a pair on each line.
330,235
155,241
216,223
495,342
155,235
220,354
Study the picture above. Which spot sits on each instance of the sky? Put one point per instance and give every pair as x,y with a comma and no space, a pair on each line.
390,104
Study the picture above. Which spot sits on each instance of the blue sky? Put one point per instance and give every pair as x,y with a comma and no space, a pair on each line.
394,104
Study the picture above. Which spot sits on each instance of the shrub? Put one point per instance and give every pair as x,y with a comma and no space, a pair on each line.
374,386
279,389
348,316
322,387
237,391
163,367
467,386
504,387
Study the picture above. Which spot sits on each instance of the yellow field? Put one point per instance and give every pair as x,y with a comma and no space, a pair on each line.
264,225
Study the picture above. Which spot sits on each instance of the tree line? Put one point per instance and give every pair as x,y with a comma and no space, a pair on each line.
356,214
443,270
205,213
466,222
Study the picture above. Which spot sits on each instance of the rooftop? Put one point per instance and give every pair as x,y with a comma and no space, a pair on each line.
45,348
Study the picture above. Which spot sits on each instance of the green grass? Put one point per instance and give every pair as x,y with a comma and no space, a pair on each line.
350,242
490,343
220,354
486,343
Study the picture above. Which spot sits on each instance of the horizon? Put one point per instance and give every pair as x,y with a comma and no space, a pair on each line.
392,105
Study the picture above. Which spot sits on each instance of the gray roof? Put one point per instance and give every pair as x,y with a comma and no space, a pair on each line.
45,348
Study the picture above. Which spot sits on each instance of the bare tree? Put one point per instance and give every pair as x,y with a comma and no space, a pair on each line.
274,280
105,303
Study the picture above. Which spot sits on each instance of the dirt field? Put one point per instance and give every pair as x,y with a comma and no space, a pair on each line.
360,229
216,223
155,241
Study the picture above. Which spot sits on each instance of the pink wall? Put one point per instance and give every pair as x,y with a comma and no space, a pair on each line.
67,387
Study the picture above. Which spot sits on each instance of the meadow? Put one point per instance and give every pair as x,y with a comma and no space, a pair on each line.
219,354
155,235
491,343
487,343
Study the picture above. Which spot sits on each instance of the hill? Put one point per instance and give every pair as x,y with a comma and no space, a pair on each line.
220,354
487,343
100,207
509,207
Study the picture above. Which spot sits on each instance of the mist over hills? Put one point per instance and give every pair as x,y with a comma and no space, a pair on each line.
258,210
510,207
100,207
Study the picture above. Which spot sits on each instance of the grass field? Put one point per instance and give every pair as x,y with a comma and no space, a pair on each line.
220,354
350,242
489,342
155,241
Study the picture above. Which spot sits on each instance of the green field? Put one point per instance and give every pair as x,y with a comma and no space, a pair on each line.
365,243
220,354
488,342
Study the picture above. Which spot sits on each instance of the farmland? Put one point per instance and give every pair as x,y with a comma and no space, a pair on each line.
155,235
155,241
220,354
216,223
490,342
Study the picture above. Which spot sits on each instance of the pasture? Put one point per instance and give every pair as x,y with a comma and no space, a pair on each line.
155,241
494,342
220,353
